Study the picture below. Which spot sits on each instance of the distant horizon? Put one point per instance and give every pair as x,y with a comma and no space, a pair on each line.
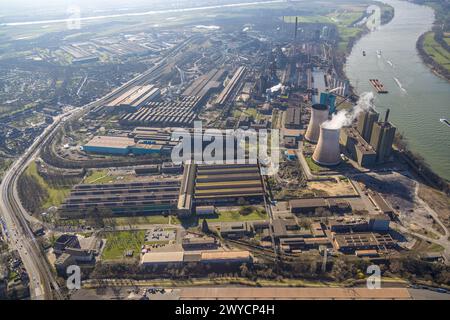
53,8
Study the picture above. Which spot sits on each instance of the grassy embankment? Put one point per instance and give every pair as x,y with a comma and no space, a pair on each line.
240,281
55,195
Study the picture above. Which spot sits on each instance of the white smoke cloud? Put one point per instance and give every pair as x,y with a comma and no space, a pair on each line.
276,88
345,117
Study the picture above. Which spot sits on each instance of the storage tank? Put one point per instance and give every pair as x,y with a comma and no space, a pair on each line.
319,114
327,151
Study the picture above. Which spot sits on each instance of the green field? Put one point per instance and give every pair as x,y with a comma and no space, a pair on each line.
98,177
234,215
117,243
55,195
223,216
436,51
157,219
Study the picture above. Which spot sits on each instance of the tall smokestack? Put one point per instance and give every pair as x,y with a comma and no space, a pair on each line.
296,27
319,114
386,118
327,151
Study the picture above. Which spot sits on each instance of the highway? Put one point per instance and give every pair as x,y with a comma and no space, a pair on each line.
43,283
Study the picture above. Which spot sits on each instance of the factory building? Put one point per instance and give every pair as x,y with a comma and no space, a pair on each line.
231,86
136,97
205,210
288,228
303,244
185,198
381,204
120,146
121,199
292,118
226,184
309,206
378,223
164,114
196,243
147,169
206,85
234,230
226,257
162,258
351,242
152,258
109,145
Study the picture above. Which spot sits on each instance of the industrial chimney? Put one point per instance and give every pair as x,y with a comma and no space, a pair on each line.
327,151
386,118
319,114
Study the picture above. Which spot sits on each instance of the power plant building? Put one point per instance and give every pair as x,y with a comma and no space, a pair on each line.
383,135
359,150
327,151
319,114
382,138
365,123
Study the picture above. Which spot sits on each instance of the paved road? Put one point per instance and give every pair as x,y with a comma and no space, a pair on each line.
20,235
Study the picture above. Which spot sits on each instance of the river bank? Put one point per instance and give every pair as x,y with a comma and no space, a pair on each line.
417,98
435,67
434,46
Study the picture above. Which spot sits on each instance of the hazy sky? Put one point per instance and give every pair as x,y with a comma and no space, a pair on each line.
39,7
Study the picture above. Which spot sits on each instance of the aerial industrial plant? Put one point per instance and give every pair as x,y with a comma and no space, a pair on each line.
228,153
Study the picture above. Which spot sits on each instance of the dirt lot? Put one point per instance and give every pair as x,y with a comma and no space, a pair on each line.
339,187
399,190
438,201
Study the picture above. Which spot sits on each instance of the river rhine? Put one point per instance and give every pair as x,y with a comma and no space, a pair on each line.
417,98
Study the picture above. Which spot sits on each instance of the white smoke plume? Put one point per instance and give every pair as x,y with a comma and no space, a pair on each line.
345,117
276,88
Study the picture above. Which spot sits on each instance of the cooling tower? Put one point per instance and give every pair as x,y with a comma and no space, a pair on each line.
327,151
319,114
